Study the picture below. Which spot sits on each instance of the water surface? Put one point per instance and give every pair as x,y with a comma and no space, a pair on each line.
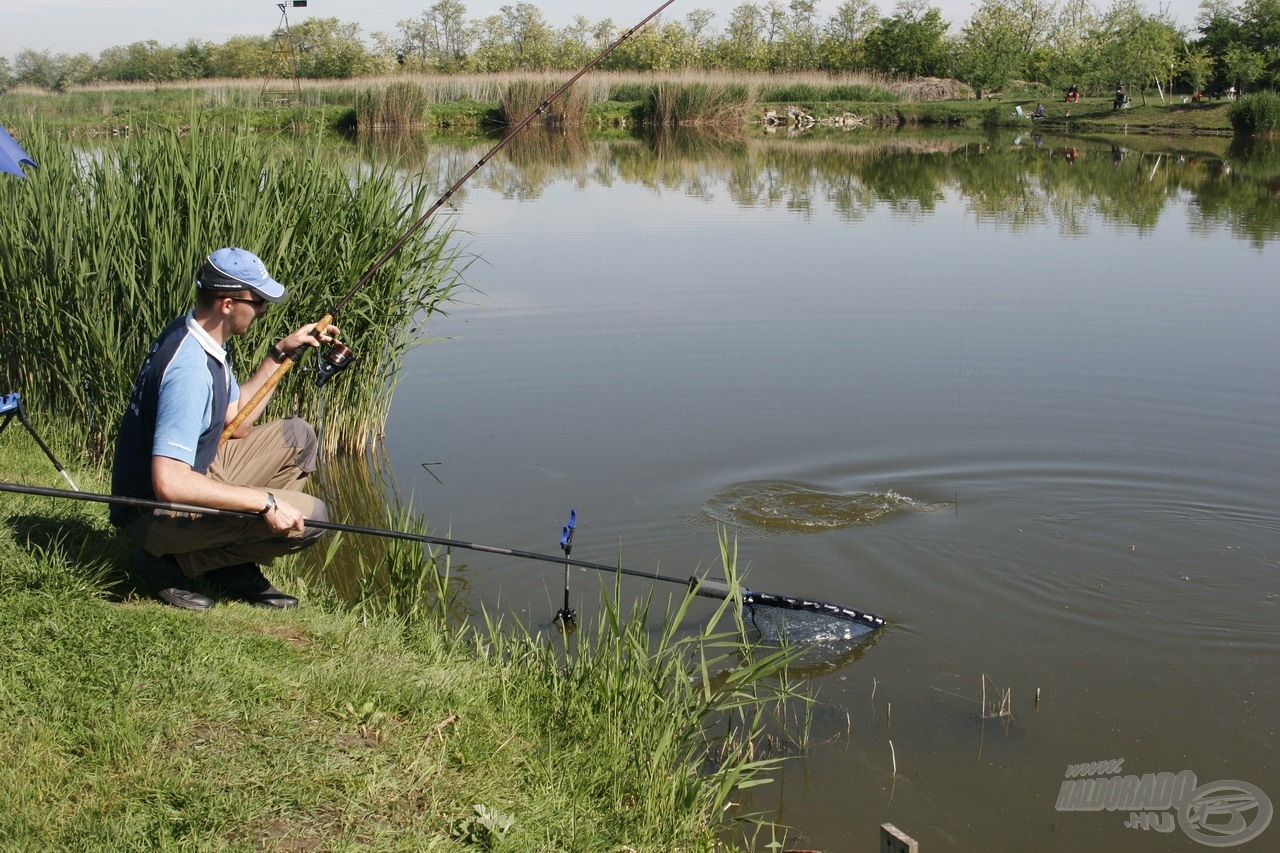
1019,396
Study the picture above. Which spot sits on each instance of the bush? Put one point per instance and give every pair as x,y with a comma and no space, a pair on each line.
1255,114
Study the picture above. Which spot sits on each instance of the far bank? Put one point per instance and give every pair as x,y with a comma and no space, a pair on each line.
487,103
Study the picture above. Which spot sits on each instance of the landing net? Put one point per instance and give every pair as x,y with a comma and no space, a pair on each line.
782,618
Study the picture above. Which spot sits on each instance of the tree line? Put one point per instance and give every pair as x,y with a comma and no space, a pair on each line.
1056,44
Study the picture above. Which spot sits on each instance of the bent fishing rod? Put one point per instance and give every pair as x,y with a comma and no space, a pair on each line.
700,586
343,354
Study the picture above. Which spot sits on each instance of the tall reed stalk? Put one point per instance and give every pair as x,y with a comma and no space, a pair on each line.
101,248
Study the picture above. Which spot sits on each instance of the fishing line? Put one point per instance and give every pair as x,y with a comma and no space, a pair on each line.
321,327
770,613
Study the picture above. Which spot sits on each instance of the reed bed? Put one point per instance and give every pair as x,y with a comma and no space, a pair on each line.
484,88
673,104
520,98
102,246
399,105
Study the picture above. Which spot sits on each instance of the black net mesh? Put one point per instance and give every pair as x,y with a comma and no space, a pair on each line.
783,619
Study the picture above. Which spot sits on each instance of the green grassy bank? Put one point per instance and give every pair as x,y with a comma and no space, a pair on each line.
128,725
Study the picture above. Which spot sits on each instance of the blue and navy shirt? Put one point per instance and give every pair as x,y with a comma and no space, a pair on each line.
177,409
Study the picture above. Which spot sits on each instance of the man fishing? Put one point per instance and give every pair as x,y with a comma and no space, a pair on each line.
169,449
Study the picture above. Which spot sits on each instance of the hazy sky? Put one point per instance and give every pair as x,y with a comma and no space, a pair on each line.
90,26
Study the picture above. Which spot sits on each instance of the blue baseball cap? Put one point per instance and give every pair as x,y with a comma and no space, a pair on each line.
239,269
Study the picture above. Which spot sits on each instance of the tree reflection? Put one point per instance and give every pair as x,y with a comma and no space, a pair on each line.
1014,182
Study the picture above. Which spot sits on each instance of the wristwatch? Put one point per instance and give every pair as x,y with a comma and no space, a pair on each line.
271,504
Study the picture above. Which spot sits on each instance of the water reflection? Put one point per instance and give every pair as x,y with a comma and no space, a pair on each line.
361,491
1015,181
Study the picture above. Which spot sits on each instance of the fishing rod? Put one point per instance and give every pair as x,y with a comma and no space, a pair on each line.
700,586
342,355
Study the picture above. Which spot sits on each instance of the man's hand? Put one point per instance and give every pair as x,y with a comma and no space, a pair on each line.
284,516
306,337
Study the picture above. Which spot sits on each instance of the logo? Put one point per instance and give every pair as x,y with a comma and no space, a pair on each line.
1219,814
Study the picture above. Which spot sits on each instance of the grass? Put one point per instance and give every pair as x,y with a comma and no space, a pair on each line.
1154,117
343,726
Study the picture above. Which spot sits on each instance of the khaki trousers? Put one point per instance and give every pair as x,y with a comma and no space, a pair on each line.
275,457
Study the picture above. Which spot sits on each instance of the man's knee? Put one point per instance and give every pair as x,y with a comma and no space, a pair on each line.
318,512
302,437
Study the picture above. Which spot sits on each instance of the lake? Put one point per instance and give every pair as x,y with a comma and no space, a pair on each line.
1018,395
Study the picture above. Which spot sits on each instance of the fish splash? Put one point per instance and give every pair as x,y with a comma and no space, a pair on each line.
779,507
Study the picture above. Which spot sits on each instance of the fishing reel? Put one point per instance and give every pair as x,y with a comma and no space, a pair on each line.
334,359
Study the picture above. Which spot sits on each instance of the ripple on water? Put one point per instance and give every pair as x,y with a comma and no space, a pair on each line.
780,507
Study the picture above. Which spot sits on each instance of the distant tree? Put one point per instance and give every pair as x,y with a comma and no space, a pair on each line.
240,56
844,37
661,46
797,49
1242,66
996,44
679,48
531,36
604,33
1260,25
142,61
743,46
698,23
1197,67
1134,48
417,47
453,34
912,41
193,60
331,49
517,38
1067,57
437,39
52,71
575,44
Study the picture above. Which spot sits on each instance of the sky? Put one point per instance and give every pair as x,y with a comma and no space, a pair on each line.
91,26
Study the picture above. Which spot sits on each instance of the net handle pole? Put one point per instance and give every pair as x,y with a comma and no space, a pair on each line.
700,586
710,588
166,506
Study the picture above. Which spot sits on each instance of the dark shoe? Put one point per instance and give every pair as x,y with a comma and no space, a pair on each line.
167,582
246,583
